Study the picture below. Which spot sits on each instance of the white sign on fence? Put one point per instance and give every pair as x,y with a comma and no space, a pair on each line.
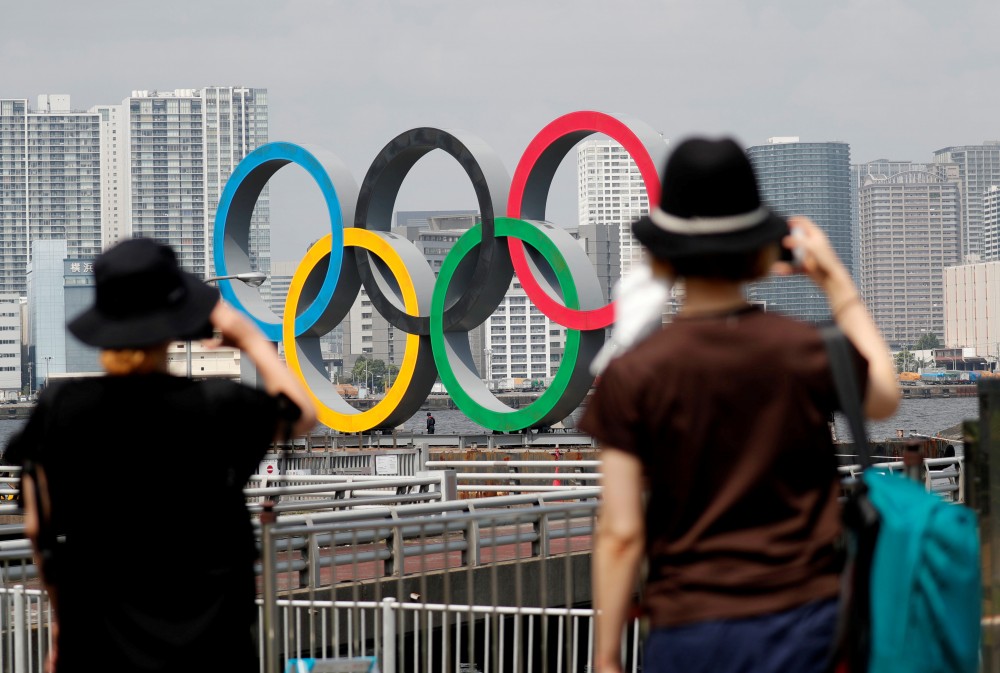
387,464
268,466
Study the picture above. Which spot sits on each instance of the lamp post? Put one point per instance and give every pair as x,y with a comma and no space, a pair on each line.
251,278
47,359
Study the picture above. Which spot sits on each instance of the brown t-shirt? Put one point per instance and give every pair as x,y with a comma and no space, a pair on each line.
729,416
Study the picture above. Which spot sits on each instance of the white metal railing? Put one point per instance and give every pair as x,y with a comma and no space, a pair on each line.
26,622
366,534
528,526
316,550
376,460
321,492
437,637
329,491
418,637
520,476
942,475
504,557
945,476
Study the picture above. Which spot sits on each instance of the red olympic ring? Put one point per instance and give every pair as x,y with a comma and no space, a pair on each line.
544,153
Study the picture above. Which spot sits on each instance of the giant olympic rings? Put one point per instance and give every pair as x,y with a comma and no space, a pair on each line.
436,315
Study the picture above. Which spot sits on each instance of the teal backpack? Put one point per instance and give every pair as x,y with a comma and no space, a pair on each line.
912,596
926,589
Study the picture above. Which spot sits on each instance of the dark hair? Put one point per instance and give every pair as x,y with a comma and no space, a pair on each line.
724,266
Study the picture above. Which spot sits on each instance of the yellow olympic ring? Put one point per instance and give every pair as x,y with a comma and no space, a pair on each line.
373,243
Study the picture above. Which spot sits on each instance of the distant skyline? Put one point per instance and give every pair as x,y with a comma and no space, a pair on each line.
896,80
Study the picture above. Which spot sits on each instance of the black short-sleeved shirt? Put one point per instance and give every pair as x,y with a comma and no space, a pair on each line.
730,418
146,475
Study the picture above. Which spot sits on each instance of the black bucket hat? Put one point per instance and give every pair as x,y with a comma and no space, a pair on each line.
710,204
143,298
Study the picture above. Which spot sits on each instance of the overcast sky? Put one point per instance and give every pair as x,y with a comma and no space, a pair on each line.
896,79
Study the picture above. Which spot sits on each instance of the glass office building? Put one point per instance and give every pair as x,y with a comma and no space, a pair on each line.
811,179
59,288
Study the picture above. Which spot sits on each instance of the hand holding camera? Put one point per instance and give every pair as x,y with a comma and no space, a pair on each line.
807,250
792,254
232,328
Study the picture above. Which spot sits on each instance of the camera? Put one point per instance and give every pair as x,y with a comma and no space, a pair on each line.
205,331
792,255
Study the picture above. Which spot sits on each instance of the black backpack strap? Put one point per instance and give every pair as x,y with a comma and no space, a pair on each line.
852,642
847,390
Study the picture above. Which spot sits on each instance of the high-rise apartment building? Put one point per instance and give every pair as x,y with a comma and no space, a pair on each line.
860,173
166,181
611,193
910,224
236,123
979,169
114,174
73,183
811,179
182,147
153,166
50,183
13,194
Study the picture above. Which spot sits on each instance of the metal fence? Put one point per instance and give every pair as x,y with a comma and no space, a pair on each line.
389,461
492,584
25,629
520,476
334,492
486,585
440,637
320,550
487,440
399,568
944,476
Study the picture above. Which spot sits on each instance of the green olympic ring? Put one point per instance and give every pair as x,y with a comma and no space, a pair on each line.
450,349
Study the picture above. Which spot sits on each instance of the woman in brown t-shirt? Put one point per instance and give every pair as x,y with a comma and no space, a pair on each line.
723,417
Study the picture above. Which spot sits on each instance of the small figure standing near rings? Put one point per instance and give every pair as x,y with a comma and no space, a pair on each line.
430,423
